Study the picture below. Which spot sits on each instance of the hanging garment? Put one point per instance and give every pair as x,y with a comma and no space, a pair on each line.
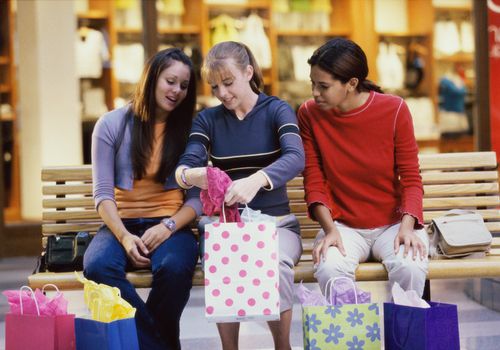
447,38
467,37
173,7
300,56
128,62
254,36
452,117
91,53
224,29
389,67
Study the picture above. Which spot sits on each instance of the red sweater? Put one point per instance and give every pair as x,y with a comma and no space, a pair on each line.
362,164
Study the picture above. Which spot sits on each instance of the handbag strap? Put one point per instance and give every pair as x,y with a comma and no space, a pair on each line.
330,285
32,297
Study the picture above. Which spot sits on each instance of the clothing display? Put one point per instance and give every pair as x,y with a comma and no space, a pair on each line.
446,38
390,68
300,56
91,53
223,29
359,140
422,112
128,62
452,117
254,36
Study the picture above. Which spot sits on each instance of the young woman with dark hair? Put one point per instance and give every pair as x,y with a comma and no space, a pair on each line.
361,176
135,150
255,139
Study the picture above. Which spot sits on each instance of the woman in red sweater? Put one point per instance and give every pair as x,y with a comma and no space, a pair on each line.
361,177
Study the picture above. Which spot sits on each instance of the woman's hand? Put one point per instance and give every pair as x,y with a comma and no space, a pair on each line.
244,190
332,239
407,236
197,177
155,235
134,246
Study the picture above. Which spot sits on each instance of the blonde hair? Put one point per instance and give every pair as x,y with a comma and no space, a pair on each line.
214,66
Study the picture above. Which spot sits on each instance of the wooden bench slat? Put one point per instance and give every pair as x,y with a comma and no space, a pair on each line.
464,160
487,214
371,271
432,190
71,215
83,189
430,178
82,202
73,227
67,173
461,189
461,202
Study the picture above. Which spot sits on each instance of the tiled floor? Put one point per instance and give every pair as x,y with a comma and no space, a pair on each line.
479,326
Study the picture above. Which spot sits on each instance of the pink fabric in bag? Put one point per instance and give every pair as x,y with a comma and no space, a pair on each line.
48,307
212,198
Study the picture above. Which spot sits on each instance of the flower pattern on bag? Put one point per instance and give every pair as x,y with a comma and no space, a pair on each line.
332,311
355,344
373,332
311,345
348,326
312,323
355,317
333,334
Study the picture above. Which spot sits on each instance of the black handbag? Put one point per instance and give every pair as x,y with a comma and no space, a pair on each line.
65,252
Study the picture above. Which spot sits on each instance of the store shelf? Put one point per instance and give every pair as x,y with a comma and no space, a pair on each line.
124,30
309,33
93,14
457,58
403,34
7,117
5,88
251,5
464,8
193,30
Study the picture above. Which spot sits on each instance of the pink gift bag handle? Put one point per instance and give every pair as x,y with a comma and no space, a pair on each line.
50,285
330,285
32,296
224,213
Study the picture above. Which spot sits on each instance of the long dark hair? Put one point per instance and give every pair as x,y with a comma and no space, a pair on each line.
178,121
214,65
344,60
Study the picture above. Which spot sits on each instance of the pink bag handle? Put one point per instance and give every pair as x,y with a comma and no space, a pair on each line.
330,285
50,285
32,296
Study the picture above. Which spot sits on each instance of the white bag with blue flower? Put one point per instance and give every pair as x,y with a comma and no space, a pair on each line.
347,326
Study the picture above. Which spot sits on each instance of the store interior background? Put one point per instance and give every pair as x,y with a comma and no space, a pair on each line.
65,63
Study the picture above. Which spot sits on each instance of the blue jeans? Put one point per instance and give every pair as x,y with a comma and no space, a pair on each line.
172,265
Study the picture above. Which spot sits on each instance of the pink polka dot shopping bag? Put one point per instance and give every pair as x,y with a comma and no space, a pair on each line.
241,271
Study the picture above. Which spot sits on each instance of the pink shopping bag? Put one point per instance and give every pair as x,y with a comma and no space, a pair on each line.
35,331
241,271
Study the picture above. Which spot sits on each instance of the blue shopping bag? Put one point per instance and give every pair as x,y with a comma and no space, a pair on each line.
414,328
116,335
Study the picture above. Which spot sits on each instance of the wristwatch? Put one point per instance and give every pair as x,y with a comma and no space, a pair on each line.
169,224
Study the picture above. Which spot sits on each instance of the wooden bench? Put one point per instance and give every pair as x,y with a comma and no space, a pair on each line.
454,180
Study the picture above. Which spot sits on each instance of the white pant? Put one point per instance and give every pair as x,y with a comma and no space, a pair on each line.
364,244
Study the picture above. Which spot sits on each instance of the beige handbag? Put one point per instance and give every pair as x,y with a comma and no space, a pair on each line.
458,233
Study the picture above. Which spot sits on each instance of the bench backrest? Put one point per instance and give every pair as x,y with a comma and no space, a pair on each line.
451,181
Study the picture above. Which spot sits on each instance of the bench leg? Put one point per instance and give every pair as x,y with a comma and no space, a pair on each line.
427,291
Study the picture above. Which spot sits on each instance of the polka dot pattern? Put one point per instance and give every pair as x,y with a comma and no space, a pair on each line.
241,271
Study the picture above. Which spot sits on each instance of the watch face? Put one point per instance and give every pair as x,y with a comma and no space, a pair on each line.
169,223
